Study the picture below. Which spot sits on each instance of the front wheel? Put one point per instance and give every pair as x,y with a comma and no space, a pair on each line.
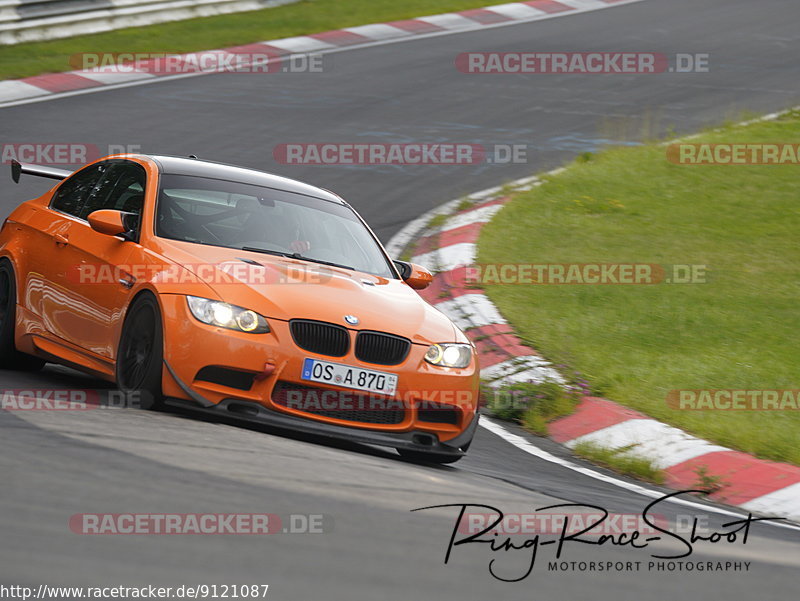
141,353
10,357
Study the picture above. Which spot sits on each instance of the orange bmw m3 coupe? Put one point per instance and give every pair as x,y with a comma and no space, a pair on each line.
234,292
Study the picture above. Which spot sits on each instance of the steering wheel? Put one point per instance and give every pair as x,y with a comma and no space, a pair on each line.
190,219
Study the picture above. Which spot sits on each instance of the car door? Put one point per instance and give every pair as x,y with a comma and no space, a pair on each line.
46,258
98,270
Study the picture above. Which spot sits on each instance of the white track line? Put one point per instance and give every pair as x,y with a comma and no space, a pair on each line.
530,448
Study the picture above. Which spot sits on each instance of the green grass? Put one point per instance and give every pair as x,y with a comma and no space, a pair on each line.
437,221
707,482
620,461
530,404
636,343
305,17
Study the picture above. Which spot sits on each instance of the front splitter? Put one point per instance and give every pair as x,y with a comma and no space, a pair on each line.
254,413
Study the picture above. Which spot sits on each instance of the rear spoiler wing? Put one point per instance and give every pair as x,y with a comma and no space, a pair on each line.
18,169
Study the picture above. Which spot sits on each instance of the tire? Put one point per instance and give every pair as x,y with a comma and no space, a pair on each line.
423,457
10,357
140,355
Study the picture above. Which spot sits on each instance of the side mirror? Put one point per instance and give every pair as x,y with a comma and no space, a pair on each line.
414,275
113,223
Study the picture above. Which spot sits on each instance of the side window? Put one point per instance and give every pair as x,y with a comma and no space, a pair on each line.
122,189
72,193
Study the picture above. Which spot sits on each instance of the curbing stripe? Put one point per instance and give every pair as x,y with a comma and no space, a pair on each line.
258,48
529,368
591,415
466,233
301,43
62,82
415,26
536,375
15,89
780,502
485,16
451,21
746,478
471,311
517,10
440,289
107,76
665,446
37,90
448,258
483,214
583,4
490,354
527,446
377,31
340,37
503,338
550,6
751,483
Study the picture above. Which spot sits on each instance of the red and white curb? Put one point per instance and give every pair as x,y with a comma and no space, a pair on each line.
54,84
750,483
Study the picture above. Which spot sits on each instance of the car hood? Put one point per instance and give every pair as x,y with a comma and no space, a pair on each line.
285,288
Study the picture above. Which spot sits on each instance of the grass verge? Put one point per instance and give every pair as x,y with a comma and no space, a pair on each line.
305,17
531,404
620,461
635,343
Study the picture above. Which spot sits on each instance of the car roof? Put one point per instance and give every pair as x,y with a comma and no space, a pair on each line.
199,167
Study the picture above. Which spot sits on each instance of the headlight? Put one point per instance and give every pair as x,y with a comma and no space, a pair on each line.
221,314
449,355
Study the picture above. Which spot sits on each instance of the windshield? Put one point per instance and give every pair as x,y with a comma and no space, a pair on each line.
243,216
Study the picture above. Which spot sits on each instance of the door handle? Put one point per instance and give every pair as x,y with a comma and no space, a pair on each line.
61,239
128,281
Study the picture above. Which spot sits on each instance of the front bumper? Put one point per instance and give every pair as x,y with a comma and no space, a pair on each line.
191,346
416,440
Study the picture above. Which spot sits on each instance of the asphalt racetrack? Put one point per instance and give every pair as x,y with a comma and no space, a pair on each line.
56,464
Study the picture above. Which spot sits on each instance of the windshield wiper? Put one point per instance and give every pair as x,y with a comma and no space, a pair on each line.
279,253
302,258
266,251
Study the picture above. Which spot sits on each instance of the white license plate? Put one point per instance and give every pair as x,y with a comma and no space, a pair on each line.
349,377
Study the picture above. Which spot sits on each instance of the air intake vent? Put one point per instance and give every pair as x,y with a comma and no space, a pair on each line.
223,376
437,413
